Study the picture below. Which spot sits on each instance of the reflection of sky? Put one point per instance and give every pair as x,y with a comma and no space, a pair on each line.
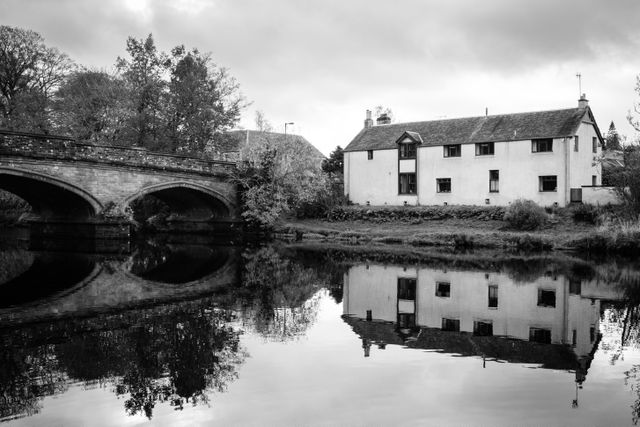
323,379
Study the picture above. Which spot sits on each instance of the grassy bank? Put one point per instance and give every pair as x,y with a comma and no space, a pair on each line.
465,228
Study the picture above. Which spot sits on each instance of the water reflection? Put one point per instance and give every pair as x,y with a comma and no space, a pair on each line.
177,353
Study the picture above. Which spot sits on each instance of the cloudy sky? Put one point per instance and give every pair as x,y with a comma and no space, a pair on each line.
322,63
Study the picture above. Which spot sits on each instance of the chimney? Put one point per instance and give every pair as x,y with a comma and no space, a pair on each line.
383,119
583,102
368,121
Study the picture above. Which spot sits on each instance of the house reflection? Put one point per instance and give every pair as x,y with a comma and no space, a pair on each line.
552,321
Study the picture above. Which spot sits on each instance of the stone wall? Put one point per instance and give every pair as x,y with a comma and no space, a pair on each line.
68,150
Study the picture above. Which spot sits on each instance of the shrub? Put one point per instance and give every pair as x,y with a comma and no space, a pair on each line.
586,213
525,215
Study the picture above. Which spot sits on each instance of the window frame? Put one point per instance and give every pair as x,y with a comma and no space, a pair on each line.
451,325
542,145
490,146
490,298
443,294
369,154
407,150
407,288
541,183
446,150
495,180
576,144
594,144
440,181
544,298
410,184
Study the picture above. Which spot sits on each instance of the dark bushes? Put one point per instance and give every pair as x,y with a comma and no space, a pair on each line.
525,215
414,214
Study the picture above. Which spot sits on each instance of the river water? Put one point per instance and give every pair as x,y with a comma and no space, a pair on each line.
179,332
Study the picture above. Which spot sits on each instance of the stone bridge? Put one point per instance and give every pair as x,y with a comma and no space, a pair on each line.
68,182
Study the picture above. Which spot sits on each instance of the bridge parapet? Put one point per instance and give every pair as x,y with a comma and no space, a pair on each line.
25,145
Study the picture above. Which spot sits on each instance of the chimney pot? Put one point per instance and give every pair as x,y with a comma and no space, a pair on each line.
368,122
384,119
583,102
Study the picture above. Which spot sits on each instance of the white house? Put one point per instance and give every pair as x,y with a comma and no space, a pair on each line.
545,156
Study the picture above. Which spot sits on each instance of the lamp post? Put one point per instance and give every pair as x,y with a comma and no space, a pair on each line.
285,129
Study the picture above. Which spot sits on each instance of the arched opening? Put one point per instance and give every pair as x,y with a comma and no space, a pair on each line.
177,264
49,198
179,202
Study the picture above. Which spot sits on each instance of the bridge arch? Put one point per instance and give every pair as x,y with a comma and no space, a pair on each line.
189,201
50,198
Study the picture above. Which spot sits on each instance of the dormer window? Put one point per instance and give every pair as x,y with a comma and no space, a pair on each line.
408,150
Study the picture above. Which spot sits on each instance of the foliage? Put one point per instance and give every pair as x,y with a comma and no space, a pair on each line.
30,72
626,179
585,212
525,215
612,139
335,163
92,106
415,213
382,110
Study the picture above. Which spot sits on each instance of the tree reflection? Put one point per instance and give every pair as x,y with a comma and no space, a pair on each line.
175,353
278,296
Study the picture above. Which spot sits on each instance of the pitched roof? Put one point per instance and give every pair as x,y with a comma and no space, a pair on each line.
235,140
468,130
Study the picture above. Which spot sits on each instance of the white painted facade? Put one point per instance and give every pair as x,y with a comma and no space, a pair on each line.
372,177
374,288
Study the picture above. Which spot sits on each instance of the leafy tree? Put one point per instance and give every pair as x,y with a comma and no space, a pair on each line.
612,140
202,100
626,178
335,163
30,72
143,74
92,106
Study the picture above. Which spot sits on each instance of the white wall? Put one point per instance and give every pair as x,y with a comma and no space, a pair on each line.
376,180
375,288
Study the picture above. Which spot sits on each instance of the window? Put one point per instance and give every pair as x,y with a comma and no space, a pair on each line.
494,180
407,183
369,154
594,143
493,296
594,180
407,150
483,329
452,150
548,183
540,335
443,289
575,287
541,145
443,185
576,144
406,288
451,325
574,338
484,149
546,298
406,320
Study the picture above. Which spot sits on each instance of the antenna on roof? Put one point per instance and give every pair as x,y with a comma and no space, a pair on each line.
579,76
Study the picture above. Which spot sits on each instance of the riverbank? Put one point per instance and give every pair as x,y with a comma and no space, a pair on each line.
560,233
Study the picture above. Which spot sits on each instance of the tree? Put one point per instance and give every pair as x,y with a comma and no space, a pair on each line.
92,106
202,100
335,163
143,74
29,74
612,140
381,110
261,122
626,178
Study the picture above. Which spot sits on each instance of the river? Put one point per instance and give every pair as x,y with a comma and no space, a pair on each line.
183,331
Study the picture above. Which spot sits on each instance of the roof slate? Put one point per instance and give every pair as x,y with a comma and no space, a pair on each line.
504,127
235,140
